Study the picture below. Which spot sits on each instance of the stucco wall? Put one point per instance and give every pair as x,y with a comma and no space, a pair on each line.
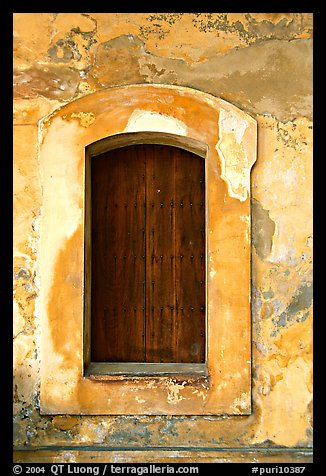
262,63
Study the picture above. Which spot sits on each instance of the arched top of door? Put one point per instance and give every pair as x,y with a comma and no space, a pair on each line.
166,114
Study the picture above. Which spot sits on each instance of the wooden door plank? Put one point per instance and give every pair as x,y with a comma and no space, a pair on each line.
160,262
190,256
118,249
175,270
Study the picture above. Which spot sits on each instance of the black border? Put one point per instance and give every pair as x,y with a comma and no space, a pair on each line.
6,13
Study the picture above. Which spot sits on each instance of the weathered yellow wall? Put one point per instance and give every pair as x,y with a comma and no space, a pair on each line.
261,63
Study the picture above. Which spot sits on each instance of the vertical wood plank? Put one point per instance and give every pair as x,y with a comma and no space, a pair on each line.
175,250
160,252
190,256
118,248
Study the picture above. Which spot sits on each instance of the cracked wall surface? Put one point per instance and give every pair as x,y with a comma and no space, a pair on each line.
260,62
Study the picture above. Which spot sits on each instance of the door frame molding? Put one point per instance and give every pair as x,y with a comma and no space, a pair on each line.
228,139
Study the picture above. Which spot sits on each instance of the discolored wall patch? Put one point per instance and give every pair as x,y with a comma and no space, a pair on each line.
263,229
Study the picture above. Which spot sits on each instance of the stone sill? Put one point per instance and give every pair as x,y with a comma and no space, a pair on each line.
105,370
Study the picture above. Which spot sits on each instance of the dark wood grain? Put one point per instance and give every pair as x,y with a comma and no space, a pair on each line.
118,249
160,263
190,257
148,255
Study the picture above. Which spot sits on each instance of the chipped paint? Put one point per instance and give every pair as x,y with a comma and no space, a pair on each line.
241,403
174,390
235,162
246,219
140,400
201,394
86,118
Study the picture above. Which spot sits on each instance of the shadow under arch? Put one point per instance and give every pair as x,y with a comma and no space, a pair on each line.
146,137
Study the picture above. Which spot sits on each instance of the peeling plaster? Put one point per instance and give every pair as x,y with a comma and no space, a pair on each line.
241,403
86,118
174,390
235,167
233,125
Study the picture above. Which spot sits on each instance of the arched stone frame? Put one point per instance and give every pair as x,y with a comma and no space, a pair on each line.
229,137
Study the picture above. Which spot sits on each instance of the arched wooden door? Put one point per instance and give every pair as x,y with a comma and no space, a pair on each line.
148,294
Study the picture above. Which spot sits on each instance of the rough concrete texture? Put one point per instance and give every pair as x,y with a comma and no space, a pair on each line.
260,63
